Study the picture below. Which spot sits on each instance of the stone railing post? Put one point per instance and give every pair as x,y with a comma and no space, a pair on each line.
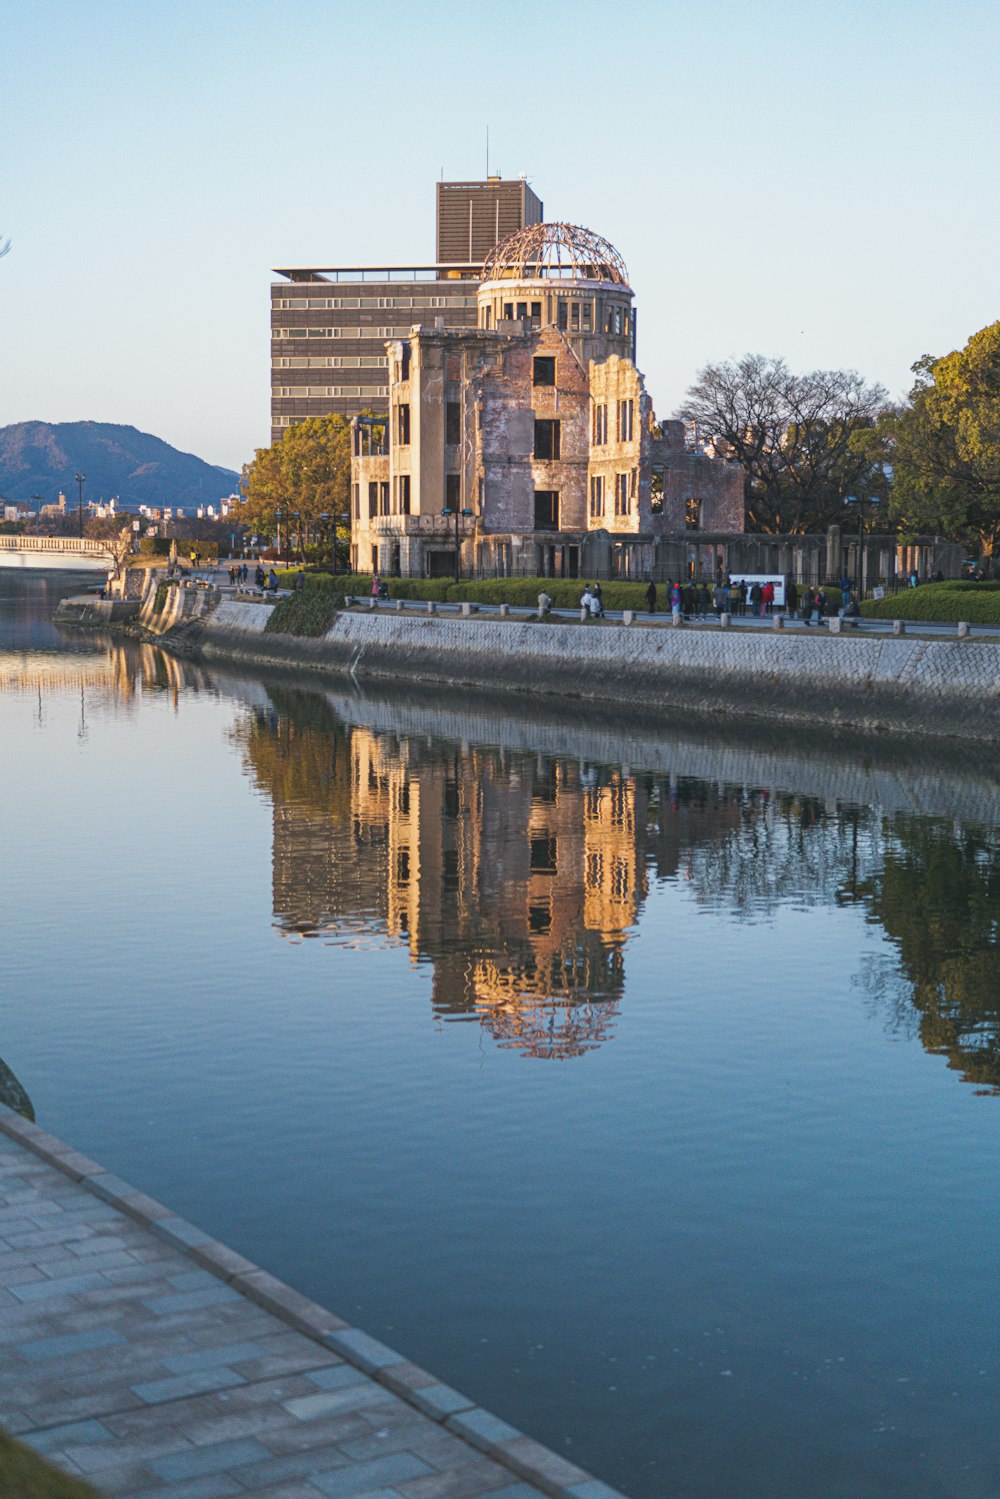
725,620
963,629
628,616
899,627
431,607
504,611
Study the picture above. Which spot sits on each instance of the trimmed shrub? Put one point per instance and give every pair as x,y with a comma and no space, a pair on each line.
944,603
25,1475
310,611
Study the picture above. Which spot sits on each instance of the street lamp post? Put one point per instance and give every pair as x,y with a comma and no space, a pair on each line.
456,513
38,512
297,518
278,516
81,480
861,501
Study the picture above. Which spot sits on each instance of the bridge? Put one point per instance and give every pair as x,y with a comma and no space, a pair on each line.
67,553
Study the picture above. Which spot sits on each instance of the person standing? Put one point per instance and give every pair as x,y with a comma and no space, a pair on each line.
651,597
676,600
791,598
719,600
767,598
808,605
755,597
376,586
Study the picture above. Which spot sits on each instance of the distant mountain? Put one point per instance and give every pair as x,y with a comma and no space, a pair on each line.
42,457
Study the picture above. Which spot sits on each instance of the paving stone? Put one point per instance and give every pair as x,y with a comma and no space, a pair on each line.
67,1285
73,1342
156,1391
73,1434
302,1464
189,1301
196,1462
209,1358
363,1478
336,1377
482,1429
367,1352
331,1402
439,1401
213,1486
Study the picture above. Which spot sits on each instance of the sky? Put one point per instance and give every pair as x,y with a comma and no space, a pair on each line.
812,180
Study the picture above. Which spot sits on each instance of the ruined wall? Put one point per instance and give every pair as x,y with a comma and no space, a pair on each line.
612,382
716,484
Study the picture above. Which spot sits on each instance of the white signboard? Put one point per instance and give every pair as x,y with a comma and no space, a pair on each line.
778,579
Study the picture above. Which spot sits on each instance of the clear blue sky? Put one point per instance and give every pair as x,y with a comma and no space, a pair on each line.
816,180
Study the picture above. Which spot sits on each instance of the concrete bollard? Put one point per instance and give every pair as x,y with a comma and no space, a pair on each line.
778,621
963,629
431,607
725,620
834,623
400,604
373,603
466,611
677,619
504,611
584,614
898,627
628,616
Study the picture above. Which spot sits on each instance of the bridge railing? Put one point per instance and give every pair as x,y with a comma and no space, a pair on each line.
76,545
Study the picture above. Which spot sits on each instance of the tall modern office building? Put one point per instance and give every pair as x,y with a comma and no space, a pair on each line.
330,323
473,217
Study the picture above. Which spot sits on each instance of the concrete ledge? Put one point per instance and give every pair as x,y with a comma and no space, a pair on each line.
521,1455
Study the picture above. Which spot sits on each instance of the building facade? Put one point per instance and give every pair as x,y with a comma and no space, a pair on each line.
528,444
330,323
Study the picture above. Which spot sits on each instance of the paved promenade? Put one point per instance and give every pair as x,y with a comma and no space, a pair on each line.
150,1359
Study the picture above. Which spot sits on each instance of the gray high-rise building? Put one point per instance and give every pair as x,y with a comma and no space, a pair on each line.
472,217
330,323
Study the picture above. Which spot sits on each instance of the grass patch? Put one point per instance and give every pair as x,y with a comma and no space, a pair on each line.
24,1475
944,603
310,612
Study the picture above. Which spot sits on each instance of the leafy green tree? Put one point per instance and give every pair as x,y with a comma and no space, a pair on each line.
795,436
937,897
944,445
307,470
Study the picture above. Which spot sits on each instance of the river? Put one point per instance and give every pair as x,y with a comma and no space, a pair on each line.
642,1081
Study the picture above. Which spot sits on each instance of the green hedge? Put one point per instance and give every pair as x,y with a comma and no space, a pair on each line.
979,603
310,611
564,592
23,1475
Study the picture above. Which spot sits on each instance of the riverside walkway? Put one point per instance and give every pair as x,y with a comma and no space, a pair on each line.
149,1359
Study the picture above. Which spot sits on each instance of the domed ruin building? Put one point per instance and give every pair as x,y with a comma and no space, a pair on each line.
529,440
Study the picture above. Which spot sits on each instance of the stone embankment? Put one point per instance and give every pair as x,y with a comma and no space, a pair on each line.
948,687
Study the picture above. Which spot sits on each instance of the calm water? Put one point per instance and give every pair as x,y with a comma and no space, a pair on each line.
642,1085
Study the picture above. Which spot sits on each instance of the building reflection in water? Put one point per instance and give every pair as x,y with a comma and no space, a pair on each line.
520,877
517,878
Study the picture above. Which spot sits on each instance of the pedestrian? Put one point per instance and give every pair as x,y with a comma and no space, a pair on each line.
791,598
719,600
767,598
272,581
820,605
703,602
544,603
676,602
914,578
755,597
596,607
598,595
808,605
245,571
651,597
586,600
376,586
259,576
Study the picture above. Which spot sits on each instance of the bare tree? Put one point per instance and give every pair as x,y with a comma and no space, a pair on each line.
795,436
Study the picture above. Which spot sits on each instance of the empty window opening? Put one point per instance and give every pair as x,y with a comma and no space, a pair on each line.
596,496
452,423
692,513
403,425
547,439
546,509
543,371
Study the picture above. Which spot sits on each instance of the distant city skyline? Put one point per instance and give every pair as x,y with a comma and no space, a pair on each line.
779,177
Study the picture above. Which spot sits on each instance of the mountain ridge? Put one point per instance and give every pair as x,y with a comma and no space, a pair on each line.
119,460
